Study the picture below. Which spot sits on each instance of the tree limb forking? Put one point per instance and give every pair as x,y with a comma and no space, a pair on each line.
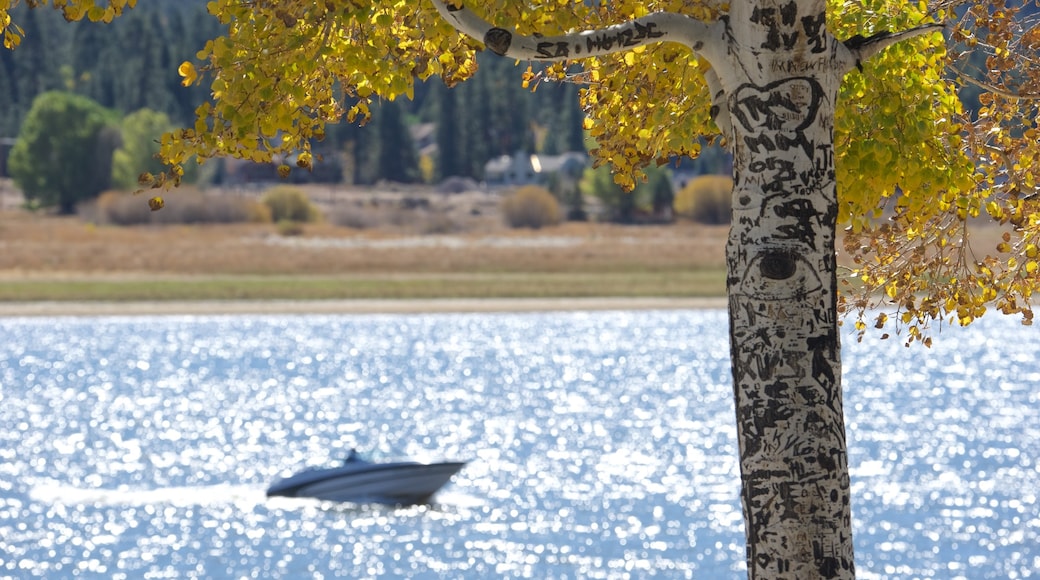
863,48
650,29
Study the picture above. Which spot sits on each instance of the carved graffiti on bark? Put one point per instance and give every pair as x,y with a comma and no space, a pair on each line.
777,114
777,275
621,36
782,30
780,303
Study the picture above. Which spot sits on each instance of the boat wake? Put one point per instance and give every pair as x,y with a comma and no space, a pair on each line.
244,496
58,493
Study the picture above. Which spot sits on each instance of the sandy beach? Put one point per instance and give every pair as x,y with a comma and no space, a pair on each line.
388,306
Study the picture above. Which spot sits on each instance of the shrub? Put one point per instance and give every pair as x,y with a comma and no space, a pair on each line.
183,206
121,209
258,213
531,207
289,228
438,223
356,216
290,203
190,206
706,199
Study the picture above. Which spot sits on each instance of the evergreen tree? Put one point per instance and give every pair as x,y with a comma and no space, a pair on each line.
34,68
662,195
478,131
383,149
569,132
510,109
135,87
131,64
448,156
186,30
128,65
397,160
28,73
95,63
11,114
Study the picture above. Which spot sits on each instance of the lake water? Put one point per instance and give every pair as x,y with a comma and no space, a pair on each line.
601,445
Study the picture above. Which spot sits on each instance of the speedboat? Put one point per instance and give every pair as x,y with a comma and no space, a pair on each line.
357,480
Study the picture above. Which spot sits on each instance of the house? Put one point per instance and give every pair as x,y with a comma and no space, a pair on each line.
528,169
424,136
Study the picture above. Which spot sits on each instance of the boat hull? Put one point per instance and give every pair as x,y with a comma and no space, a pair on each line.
397,483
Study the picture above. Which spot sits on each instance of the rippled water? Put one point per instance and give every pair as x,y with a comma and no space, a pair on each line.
601,445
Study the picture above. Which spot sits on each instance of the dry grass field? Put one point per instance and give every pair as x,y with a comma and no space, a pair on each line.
470,254
397,244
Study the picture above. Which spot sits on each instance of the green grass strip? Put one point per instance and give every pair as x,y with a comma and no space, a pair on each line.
698,283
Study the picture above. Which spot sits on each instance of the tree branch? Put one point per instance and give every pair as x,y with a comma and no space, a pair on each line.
720,107
1003,92
864,48
650,29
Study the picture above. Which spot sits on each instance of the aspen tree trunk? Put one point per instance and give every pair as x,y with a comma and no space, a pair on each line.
781,80
775,76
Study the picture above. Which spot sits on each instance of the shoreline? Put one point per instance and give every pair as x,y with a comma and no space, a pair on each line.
358,306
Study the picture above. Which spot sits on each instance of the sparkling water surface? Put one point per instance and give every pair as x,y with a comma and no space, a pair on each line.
601,445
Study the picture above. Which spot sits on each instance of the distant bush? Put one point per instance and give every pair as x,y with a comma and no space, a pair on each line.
706,199
439,223
119,208
289,228
413,215
531,207
290,203
193,207
183,206
356,216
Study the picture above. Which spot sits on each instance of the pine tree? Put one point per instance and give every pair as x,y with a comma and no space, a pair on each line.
447,132
10,115
396,159
570,135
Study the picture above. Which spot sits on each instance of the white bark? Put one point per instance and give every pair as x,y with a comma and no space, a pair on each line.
650,29
782,79
774,81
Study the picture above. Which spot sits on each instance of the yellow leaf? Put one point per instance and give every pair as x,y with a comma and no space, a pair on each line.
187,70
96,13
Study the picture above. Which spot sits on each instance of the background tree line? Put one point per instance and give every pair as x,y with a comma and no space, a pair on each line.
132,63
129,68
129,65
81,91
